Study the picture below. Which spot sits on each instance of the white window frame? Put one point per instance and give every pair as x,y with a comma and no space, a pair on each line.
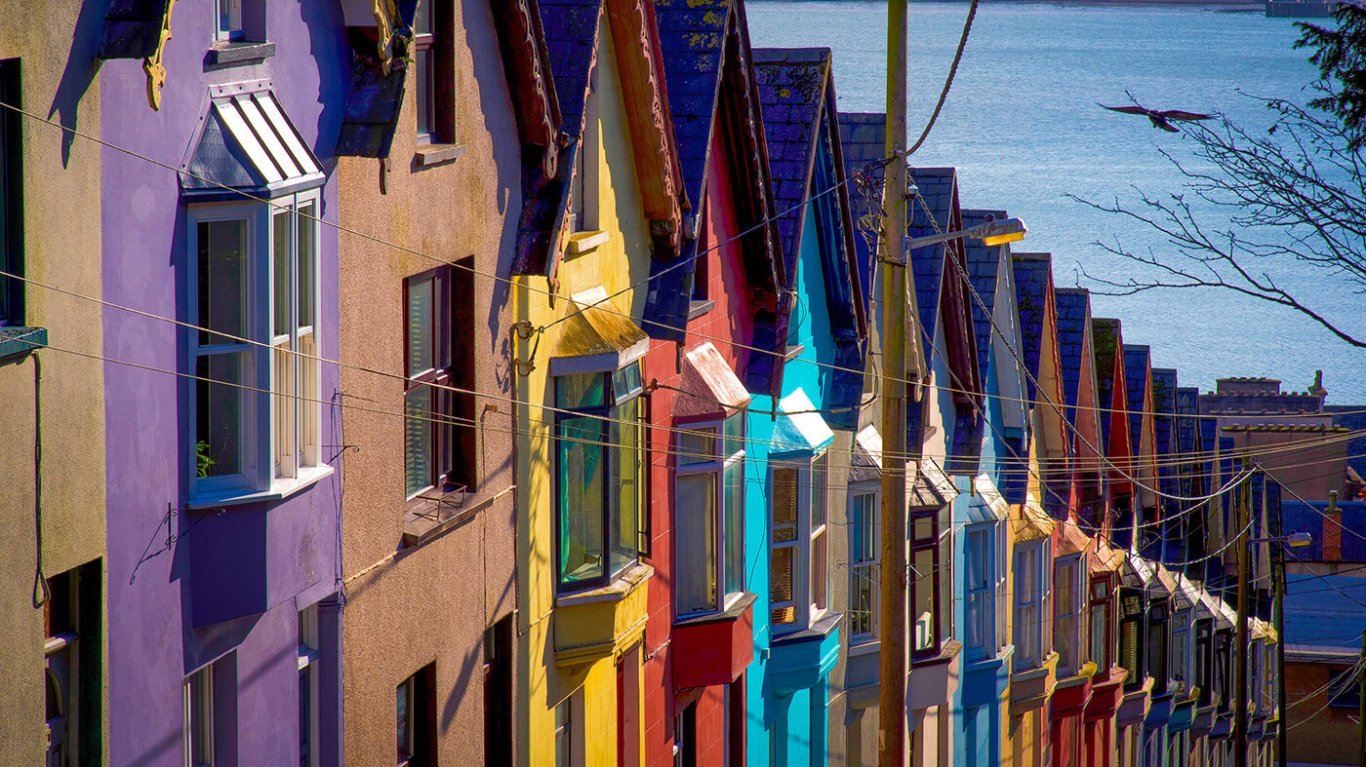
310,659
805,611
272,464
980,592
1180,659
224,32
864,567
199,685
1029,604
1074,610
718,464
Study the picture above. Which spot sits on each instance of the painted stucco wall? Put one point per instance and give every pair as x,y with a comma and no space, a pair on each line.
284,553
622,262
61,224
408,607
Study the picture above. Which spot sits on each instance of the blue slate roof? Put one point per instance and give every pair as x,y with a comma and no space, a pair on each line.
938,189
1032,272
1136,361
1108,336
1356,448
1325,612
1074,314
792,91
1188,438
1308,517
984,266
863,136
1164,424
692,39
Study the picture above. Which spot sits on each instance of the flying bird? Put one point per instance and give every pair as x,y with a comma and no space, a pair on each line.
1161,118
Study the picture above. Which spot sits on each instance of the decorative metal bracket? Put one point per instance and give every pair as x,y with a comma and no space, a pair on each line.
153,66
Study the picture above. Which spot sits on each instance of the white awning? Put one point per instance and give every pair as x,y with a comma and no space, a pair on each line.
247,144
800,429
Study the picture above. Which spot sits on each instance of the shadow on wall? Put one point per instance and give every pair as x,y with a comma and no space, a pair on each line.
81,69
323,19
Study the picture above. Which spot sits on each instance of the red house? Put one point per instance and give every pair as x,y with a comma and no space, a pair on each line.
702,310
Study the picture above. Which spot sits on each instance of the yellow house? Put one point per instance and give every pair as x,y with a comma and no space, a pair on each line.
601,206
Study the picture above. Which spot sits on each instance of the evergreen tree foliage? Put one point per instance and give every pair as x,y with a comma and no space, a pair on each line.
1341,58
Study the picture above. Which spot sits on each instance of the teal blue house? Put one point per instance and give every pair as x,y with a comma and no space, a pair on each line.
797,438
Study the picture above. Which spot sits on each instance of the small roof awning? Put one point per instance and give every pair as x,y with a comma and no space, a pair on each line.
711,390
800,429
1148,575
1188,593
931,487
865,464
1107,558
596,339
988,505
1033,524
1072,541
246,144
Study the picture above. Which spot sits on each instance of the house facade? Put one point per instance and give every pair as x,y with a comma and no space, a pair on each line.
53,564
430,180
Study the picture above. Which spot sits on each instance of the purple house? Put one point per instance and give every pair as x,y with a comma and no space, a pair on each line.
222,437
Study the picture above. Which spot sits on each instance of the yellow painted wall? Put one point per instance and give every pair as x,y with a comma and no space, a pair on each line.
624,260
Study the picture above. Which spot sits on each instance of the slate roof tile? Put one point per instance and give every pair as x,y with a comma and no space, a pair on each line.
1032,272
936,187
1074,312
983,269
1136,361
862,135
1107,336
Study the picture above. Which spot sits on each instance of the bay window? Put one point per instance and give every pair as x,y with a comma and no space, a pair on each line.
864,575
1204,659
1030,591
598,451
931,590
1131,635
709,515
254,302
1102,611
1068,610
980,587
798,540
1156,646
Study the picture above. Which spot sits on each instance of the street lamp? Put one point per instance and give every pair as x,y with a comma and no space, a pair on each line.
1292,540
991,233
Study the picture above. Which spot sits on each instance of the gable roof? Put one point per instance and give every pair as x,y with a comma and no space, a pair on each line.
1137,361
1164,424
1033,275
797,93
1074,319
984,267
571,42
710,76
863,135
1107,337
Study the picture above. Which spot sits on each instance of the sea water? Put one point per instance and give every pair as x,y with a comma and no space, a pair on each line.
1023,126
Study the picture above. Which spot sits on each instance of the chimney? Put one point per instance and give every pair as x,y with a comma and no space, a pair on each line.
1332,530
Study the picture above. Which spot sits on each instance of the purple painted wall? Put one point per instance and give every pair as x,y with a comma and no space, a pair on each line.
280,556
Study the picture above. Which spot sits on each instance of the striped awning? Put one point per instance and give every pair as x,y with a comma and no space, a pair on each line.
247,144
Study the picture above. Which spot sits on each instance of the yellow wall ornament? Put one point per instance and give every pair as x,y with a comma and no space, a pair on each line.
395,36
152,65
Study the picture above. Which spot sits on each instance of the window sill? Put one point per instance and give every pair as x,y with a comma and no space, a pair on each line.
431,155
430,517
700,308
621,587
584,242
239,53
733,611
947,654
279,490
18,341
819,628
868,647
793,352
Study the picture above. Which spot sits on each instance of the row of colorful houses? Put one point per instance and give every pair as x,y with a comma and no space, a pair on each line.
446,382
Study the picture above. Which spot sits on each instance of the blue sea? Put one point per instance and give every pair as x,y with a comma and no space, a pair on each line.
1023,128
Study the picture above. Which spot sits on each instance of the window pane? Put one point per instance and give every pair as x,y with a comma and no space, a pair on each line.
696,530
820,483
218,416
404,719
10,191
580,391
943,607
784,505
422,22
280,257
696,446
923,588
420,339
425,64
627,382
286,410
735,527
862,598
230,17
734,429
781,563
222,280
819,576
625,482
582,494
417,407
1098,653
307,229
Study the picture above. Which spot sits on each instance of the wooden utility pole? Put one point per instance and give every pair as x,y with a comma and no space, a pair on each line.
1240,694
891,751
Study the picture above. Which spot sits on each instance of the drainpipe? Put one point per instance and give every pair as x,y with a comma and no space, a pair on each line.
41,593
